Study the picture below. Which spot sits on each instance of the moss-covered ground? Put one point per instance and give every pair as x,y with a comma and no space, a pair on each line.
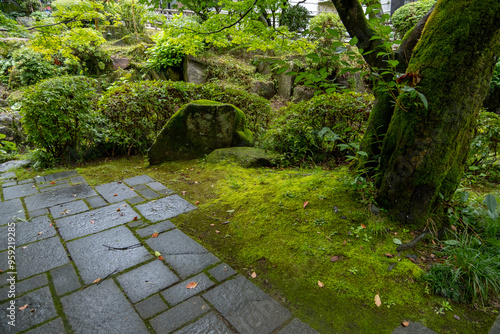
298,229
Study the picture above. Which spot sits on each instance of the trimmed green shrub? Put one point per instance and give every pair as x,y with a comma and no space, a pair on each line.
30,67
296,17
137,111
405,17
58,114
322,129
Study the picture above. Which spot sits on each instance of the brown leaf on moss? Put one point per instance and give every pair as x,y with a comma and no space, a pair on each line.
377,300
320,284
405,323
254,274
305,204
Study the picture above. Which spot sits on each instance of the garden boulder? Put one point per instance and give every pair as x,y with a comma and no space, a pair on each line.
197,129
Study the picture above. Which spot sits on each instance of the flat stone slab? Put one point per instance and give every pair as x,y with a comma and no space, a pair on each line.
39,257
165,208
40,301
157,186
160,227
81,224
13,164
19,191
58,196
149,194
146,280
496,327
65,279
297,326
141,179
115,192
8,175
11,210
247,307
179,293
55,326
181,252
222,272
58,176
174,318
96,202
24,286
151,306
28,231
94,260
208,324
67,209
413,328
102,308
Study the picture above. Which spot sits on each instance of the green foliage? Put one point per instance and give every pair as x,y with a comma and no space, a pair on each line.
8,149
495,81
57,116
136,112
295,17
405,17
127,10
78,12
11,25
325,128
321,24
6,65
30,67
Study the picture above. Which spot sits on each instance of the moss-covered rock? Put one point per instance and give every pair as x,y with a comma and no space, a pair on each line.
244,156
197,129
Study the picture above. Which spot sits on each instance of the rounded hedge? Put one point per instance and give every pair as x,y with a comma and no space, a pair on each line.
406,16
318,130
137,111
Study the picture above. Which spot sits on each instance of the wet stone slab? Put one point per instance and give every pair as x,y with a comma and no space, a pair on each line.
65,279
222,272
174,318
208,324
141,179
67,209
146,280
81,224
19,191
9,184
159,228
40,301
60,175
11,210
39,257
247,307
165,208
8,175
297,326
149,194
185,255
37,213
53,184
96,202
115,192
103,309
157,186
151,306
94,260
179,293
28,231
24,286
58,196
52,327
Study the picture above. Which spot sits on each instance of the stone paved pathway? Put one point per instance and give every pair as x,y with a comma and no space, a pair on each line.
85,263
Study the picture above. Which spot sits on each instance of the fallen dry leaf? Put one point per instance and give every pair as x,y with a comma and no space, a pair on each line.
377,300
217,231
124,205
92,222
363,225
33,186
197,202
115,195
191,285
389,255
118,209
343,243
132,189
154,235
53,182
320,284
183,192
160,257
405,323
453,228
135,218
22,308
97,280
305,204
50,225
40,232
334,258
24,247
254,274
212,225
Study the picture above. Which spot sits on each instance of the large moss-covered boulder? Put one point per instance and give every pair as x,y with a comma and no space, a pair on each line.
197,129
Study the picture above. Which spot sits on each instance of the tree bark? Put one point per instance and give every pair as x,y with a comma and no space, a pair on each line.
425,150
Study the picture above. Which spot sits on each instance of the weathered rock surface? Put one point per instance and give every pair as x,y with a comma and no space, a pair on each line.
197,129
302,93
244,156
263,88
194,70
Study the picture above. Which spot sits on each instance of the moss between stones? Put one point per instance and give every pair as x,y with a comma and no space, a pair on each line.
244,156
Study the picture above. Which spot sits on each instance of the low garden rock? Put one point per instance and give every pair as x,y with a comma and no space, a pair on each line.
197,129
122,63
263,88
194,70
244,156
302,93
6,166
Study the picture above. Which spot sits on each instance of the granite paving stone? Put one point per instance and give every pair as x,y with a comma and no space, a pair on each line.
149,194
19,191
181,252
81,224
151,306
136,200
52,183
8,175
13,164
31,284
157,186
77,179
60,175
65,279
246,307
174,318
133,181
115,192
9,184
165,208
58,196
67,209
146,280
297,326
413,328
222,272
140,187
160,227
39,257
208,324
40,301
96,202
55,326
102,308
37,213
179,292
94,260
11,211
137,223
54,187
25,181
28,231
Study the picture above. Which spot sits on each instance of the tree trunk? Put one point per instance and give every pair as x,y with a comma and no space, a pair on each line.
425,150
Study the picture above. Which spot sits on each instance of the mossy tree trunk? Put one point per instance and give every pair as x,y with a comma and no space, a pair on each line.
424,150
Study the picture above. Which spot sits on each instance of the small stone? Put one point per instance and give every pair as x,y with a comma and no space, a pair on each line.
334,258
456,317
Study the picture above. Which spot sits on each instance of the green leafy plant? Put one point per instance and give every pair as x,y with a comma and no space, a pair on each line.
406,16
296,17
8,149
30,67
495,81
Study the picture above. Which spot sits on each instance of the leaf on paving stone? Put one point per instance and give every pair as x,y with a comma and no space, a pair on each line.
22,308
132,189
118,209
154,235
377,300
50,225
160,257
405,323
118,181
33,186
135,218
191,285
157,254
74,195
124,205
40,232
305,204
115,195
92,222
53,182
97,280
363,225
24,247
320,284
254,274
